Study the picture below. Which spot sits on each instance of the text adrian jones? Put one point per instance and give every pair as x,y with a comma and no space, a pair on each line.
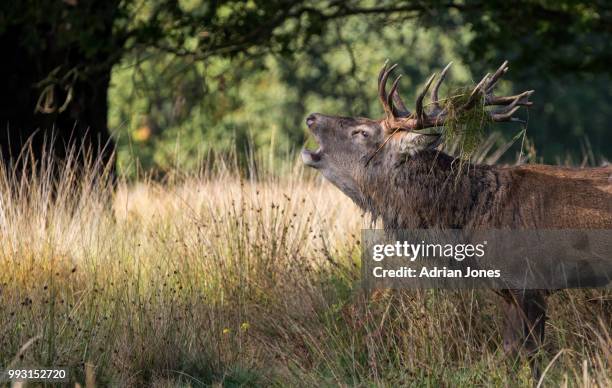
435,272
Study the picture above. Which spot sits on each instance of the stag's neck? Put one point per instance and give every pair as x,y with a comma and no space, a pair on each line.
435,190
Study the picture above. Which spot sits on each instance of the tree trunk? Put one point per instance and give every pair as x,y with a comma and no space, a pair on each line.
55,97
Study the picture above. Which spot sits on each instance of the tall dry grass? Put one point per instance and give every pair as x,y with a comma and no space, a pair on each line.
221,279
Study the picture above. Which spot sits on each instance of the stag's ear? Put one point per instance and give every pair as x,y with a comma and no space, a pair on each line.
411,143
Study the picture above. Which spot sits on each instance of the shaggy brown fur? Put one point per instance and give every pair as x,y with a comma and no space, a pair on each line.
431,190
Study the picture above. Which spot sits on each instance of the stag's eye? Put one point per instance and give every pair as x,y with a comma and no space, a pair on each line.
360,132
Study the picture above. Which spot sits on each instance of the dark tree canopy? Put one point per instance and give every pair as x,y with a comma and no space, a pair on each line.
59,54
555,36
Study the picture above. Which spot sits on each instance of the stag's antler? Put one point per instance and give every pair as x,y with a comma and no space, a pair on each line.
398,117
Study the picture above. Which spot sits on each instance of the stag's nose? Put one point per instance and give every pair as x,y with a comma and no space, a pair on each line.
310,120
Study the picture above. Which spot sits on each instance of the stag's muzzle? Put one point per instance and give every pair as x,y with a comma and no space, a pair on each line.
309,157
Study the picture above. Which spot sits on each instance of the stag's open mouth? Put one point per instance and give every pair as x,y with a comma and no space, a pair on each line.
311,158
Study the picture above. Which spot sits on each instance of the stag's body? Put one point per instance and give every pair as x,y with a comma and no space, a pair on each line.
434,190
394,171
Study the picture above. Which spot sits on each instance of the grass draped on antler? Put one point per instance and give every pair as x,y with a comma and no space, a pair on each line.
465,128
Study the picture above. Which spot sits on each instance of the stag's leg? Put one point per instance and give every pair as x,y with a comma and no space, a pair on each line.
534,308
513,328
525,316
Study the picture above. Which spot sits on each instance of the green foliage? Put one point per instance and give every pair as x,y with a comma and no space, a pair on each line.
262,102
560,36
259,98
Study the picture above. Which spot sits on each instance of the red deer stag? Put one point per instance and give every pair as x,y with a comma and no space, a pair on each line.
391,169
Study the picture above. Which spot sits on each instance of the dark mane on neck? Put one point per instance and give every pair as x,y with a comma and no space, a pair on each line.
432,189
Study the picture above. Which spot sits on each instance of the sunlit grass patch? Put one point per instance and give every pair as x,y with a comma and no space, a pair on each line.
220,279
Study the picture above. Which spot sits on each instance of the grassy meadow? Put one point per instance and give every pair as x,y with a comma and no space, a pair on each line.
225,280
